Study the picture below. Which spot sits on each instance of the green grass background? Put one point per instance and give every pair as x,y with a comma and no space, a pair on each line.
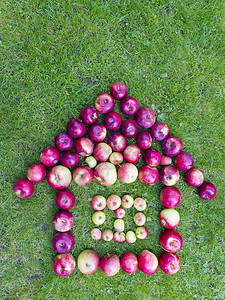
56,57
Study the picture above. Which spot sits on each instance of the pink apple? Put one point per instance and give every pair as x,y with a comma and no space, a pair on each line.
207,191
83,175
105,173
64,264
63,242
65,200
152,157
98,202
147,262
84,146
70,159
113,202
107,235
171,240
91,161
129,128
145,117
96,234
140,204
113,121
148,175
88,261
119,237
63,141
50,156
98,218
132,153
184,161
102,152
129,106
130,237
127,173
127,201
104,103
139,219
23,188
89,115
59,177
118,90
194,177
169,263
129,262
141,232
166,160
63,221
169,218
97,133
116,158
169,175
172,146
120,213
110,264
117,141
75,128
36,173
119,225
144,140
170,196
159,131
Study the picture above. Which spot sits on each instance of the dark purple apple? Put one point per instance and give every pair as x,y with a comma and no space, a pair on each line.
83,175
184,161
69,159
144,140
117,141
104,103
50,156
129,262
132,153
64,264
63,242
97,133
59,177
36,172
207,191
75,128
170,196
194,177
112,121
89,115
129,128
84,146
148,175
159,131
145,117
63,221
63,141
147,262
172,146
129,106
171,240
65,200
110,264
152,157
118,90
169,175
23,188
169,263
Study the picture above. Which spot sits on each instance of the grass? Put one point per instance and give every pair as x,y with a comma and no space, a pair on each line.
56,57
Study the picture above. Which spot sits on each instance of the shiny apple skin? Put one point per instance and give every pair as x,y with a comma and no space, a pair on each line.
152,157
50,156
64,264
132,153
84,146
129,106
207,191
36,172
117,141
69,159
59,177
169,263
172,146
129,262
166,160
145,117
169,175
63,221
171,240
104,103
63,242
144,140
23,188
110,264
159,131
148,175
147,262
63,141
194,177
184,161
118,90
76,128
89,115
112,121
65,199
102,152
97,133
169,218
170,196
127,173
83,175
129,128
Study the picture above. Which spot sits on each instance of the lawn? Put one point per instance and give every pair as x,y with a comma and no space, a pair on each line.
56,58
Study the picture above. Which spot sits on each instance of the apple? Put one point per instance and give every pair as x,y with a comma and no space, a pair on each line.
63,141
83,175
96,234
65,200
132,153
118,90
141,232
64,264
23,188
139,219
145,117
63,221
170,196
159,131
152,157
116,158
112,121
75,128
147,262
129,262
171,240
129,128
129,106
140,204
119,237
98,217
127,173
50,156
169,218
117,141
166,160
169,175
172,146
127,201
119,213
184,161
84,146
207,191
69,159
97,132
36,172
194,177
59,177
89,115
88,261
110,264
169,263
98,202
102,152
119,225
130,237
144,140
105,173
113,202
104,103
107,235
63,242
91,161
148,175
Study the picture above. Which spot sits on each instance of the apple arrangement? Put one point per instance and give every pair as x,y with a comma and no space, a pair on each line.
194,177
63,221
170,196
97,133
144,140
169,263
63,141
119,225
127,173
89,115
105,173
36,172
129,106
104,103
91,161
23,188
50,156
65,200
145,117
184,161
166,160
113,202
116,158
64,264
118,90
88,261
69,159
127,201
141,232
139,219
147,262
148,175
169,218
84,146
117,141
96,234
207,191
120,213
171,240
172,146
129,128
107,235
169,175
63,242
98,218
113,121
140,204
129,262
75,128
102,152
98,202
83,175
59,177
130,237
119,237
159,131
110,264
132,153
152,157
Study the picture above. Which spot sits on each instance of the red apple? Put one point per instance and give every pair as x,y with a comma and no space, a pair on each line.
105,173
89,115
75,128
63,221
104,103
170,196
147,262
207,191
184,161
63,242
127,173
88,261
83,175
129,106
110,264
194,177
132,153
118,90
169,263
129,128
96,234
98,202
36,173
144,140
59,177
159,131
65,200
50,156
145,117
84,146
141,232
107,235
102,152
166,160
172,146
148,175
117,141
120,213
119,237
64,264
152,157
169,218
113,202
140,204
23,188
97,133
112,121
63,141
116,158
169,175
129,262
171,240
69,159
